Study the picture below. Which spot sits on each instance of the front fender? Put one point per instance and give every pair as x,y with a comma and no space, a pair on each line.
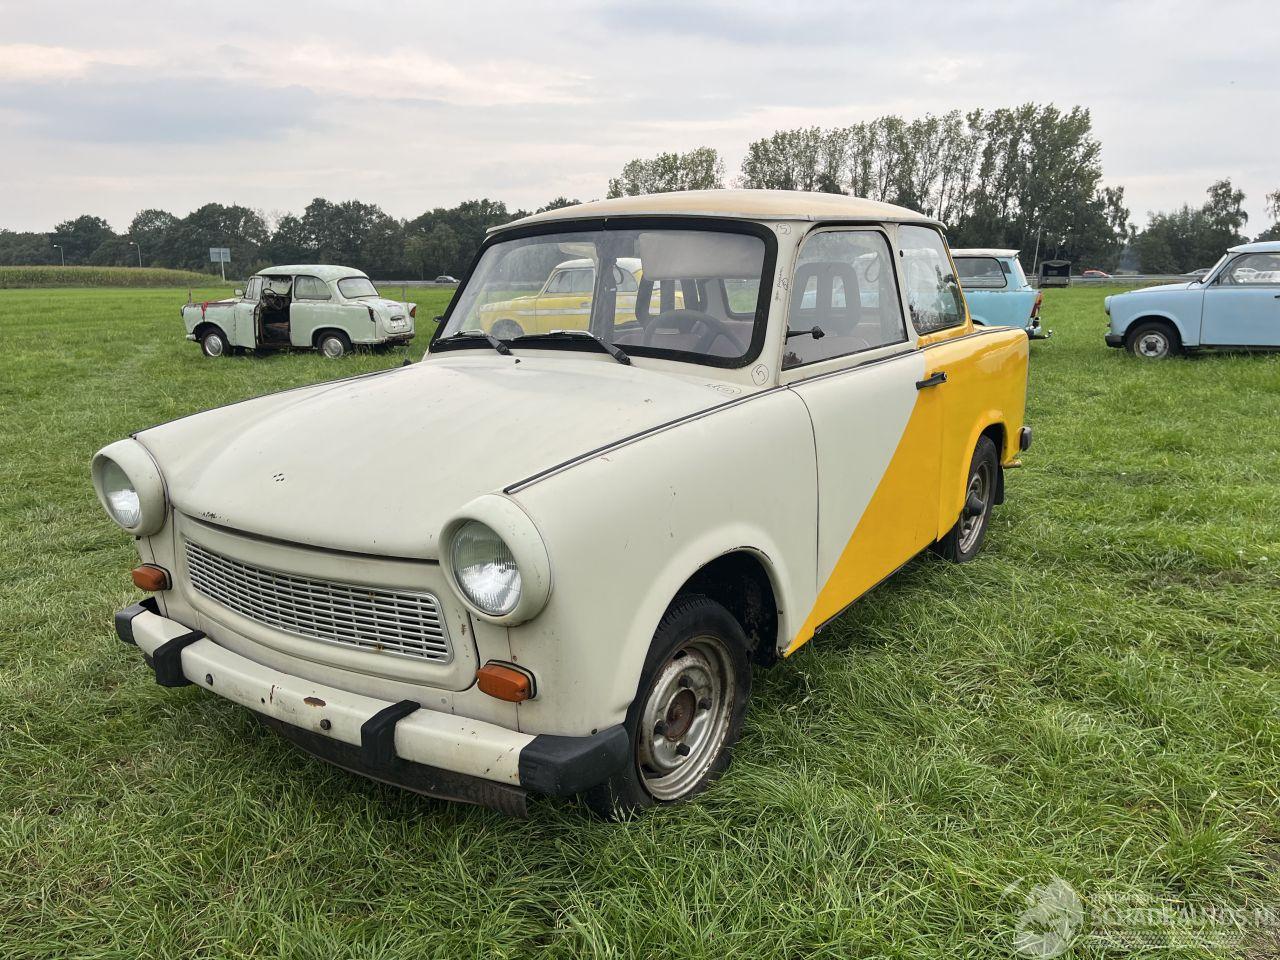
626,529
1183,313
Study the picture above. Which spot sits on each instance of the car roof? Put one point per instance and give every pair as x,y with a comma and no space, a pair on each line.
982,252
1261,246
322,270
735,204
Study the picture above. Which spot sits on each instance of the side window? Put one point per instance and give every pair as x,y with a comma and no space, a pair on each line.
254,289
933,294
559,282
310,288
845,290
1253,268
981,273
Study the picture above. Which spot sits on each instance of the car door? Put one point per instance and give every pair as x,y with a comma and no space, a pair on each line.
244,327
1242,306
876,422
312,309
565,304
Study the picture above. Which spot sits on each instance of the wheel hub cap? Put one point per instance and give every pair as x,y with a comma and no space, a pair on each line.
685,718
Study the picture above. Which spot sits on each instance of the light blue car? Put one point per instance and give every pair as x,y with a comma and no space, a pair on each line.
997,291
1235,306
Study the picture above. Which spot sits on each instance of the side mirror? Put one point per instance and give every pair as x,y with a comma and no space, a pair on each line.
239,292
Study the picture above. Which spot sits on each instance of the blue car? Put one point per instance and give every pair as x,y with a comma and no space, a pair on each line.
997,291
1235,306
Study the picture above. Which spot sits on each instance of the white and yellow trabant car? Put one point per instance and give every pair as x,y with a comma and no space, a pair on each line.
545,563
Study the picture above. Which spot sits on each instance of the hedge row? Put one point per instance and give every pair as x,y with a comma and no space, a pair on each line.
38,276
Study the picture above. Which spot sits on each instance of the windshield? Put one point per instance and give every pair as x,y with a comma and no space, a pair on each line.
682,293
353,288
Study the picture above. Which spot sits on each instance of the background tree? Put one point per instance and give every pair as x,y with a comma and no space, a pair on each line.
216,225
26,248
1189,238
699,169
1273,208
80,237
150,229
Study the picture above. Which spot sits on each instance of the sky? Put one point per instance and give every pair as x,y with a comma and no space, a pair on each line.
112,108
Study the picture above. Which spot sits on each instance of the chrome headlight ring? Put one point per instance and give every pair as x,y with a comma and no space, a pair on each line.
496,561
129,487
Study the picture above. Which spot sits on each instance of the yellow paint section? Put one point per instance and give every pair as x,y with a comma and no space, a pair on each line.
885,538
986,385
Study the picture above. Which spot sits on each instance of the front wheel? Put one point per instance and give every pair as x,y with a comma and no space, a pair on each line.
213,343
688,711
1154,341
963,541
334,345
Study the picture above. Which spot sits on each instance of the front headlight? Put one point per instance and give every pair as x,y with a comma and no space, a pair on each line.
485,569
496,560
130,488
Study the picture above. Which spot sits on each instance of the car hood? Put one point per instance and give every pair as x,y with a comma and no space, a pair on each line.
377,464
1160,288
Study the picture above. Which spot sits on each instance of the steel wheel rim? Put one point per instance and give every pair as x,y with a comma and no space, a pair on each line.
1153,345
213,345
971,523
690,706
331,348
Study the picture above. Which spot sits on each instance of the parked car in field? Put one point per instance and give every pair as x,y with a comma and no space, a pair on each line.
306,306
445,278
620,519
997,290
1199,273
1094,275
1235,306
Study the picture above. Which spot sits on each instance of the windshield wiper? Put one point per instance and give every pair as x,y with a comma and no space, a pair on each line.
610,348
493,341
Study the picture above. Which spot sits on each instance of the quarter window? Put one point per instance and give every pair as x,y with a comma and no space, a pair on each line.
933,294
254,290
844,290
1253,268
310,288
981,273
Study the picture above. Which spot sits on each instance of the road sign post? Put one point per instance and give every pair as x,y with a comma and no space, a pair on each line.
221,256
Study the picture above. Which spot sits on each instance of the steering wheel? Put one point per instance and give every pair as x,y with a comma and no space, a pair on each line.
684,321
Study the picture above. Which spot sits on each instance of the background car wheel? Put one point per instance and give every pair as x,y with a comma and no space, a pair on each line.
213,343
334,345
1154,341
507,330
688,711
964,540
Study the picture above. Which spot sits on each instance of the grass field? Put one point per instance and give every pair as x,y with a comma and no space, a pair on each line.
1096,699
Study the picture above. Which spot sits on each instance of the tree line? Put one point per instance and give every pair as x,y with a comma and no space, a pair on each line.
1028,177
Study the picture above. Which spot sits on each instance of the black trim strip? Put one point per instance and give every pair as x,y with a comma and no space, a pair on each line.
309,547
564,766
167,659
632,438
378,733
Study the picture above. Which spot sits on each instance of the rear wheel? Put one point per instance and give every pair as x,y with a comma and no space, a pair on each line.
1154,341
963,541
688,712
213,343
334,344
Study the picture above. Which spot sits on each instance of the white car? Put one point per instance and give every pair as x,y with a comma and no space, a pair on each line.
546,564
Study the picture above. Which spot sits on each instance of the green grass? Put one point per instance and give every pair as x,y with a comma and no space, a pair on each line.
1096,699
38,276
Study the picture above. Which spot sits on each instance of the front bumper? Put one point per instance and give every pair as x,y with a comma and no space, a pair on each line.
1114,339
429,752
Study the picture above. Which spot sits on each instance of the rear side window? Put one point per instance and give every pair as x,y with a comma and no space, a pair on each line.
844,299
981,273
933,293
310,288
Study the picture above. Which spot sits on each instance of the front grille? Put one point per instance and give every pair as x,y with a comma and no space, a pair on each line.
404,623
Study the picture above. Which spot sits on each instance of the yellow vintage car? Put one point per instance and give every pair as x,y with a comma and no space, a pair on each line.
563,303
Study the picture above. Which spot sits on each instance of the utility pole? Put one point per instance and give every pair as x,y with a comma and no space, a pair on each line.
133,244
1035,263
58,247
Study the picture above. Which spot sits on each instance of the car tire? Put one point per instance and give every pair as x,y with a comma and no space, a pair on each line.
213,343
1153,340
964,541
507,330
334,344
688,710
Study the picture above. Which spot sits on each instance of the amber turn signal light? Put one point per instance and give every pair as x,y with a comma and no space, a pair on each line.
505,682
150,577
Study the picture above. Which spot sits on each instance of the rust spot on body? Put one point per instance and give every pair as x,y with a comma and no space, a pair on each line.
313,701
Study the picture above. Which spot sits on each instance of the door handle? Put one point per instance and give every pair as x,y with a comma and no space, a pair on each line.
932,381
